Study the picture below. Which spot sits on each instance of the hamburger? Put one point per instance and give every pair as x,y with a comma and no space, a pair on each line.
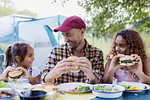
127,60
76,67
15,74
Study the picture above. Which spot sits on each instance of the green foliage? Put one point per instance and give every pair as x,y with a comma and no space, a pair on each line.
109,16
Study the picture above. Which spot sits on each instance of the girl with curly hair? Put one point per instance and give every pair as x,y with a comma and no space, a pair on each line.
127,42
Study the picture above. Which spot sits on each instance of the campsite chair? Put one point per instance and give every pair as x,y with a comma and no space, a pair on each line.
2,62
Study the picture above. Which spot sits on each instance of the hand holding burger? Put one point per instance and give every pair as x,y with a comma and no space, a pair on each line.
76,67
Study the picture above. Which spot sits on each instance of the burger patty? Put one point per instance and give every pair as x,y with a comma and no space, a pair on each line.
127,61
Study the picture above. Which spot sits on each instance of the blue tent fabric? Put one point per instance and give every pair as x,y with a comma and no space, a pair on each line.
50,35
10,38
37,32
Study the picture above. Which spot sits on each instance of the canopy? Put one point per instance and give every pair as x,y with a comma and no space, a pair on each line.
37,32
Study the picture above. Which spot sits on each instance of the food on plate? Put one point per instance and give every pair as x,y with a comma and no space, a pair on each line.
105,88
5,94
126,86
76,67
50,89
130,87
46,88
3,84
81,88
127,60
134,88
15,74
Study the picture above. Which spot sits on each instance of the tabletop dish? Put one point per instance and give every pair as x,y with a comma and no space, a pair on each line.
7,94
69,87
134,86
107,90
50,89
35,95
19,85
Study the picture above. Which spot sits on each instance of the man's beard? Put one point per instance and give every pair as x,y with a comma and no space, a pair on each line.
75,44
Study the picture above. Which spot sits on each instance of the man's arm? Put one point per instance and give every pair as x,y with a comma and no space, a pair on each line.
98,67
61,67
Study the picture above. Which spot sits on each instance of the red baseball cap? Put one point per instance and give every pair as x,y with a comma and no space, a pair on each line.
71,22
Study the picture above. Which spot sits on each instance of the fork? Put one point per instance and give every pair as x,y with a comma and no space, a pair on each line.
114,83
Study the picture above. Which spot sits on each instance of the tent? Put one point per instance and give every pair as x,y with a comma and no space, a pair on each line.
37,32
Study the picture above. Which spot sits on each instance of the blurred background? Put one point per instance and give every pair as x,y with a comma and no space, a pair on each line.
34,20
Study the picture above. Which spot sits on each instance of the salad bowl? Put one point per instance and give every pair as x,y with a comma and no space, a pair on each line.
107,90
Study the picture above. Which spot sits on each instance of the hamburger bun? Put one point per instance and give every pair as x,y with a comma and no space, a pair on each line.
76,67
15,74
126,61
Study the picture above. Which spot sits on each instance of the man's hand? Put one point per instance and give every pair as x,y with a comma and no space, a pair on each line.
61,67
86,66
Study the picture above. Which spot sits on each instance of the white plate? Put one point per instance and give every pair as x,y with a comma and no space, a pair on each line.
142,86
9,90
69,86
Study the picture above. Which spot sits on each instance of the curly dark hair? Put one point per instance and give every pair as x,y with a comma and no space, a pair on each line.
135,44
16,49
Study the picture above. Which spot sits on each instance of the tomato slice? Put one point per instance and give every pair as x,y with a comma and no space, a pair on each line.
75,89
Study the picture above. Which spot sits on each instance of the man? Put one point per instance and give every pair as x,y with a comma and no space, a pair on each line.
90,58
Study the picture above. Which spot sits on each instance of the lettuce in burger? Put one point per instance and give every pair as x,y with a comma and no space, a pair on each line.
126,61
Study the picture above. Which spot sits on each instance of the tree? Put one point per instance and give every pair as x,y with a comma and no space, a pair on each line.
109,16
